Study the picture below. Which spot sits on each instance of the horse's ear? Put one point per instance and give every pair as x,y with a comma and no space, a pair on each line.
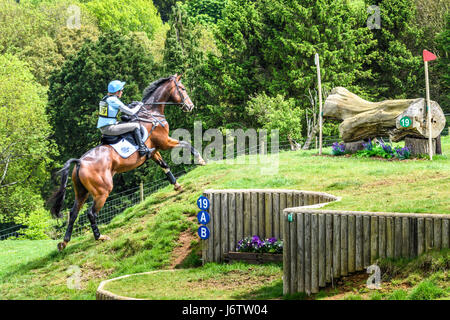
178,77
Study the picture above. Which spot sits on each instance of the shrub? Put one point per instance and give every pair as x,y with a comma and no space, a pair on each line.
255,244
277,112
402,153
38,223
383,150
338,149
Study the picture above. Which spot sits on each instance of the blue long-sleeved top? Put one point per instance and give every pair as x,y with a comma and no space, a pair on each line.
108,114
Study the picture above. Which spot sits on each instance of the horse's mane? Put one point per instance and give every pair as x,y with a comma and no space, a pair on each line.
152,88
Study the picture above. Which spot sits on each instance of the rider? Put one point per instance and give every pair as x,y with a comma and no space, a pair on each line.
110,106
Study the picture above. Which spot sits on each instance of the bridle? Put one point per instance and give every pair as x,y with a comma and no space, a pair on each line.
183,103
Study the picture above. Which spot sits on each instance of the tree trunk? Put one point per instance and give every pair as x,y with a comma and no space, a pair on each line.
366,120
419,146
352,147
438,145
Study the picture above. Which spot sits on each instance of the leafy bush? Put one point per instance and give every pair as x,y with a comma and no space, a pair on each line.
255,244
277,113
383,150
402,153
38,223
338,149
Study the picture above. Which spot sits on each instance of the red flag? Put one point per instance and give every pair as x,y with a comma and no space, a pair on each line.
428,56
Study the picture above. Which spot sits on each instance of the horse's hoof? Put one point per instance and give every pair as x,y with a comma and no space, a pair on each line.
104,238
61,246
177,187
201,162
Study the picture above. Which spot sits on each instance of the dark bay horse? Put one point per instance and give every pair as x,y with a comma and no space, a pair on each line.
94,171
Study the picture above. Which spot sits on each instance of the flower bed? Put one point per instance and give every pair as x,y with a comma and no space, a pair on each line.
256,250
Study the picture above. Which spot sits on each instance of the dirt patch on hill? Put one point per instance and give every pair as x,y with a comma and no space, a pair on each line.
183,248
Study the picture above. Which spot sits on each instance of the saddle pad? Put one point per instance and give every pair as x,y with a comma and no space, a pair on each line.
125,148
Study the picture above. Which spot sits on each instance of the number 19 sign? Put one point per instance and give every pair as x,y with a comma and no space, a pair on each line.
203,203
203,217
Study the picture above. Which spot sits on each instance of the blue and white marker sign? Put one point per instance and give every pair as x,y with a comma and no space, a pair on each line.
203,217
203,203
203,232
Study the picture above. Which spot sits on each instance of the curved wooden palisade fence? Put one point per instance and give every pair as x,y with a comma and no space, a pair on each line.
321,245
236,214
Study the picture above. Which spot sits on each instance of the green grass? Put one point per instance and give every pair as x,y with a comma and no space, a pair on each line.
213,281
15,253
143,237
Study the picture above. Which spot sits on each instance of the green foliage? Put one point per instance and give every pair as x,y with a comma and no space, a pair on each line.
376,151
426,290
277,113
399,294
398,68
38,33
43,58
269,46
125,16
165,8
25,147
38,223
205,11
443,65
82,81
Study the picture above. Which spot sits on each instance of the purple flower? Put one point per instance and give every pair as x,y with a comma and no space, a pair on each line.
338,148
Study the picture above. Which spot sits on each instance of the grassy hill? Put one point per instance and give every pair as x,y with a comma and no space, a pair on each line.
147,236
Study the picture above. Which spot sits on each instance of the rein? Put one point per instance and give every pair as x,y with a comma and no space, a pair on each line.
149,114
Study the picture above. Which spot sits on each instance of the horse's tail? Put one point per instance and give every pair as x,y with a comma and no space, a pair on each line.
57,199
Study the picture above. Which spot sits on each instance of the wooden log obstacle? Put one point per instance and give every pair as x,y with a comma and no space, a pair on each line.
320,245
236,214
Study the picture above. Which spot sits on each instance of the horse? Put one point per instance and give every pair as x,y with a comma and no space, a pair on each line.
94,171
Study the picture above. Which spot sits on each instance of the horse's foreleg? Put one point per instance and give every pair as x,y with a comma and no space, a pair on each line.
165,167
187,145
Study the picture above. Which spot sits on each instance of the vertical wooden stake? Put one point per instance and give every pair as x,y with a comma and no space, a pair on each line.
141,187
320,102
427,86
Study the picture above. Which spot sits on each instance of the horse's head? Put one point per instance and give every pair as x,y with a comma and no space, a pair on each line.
179,95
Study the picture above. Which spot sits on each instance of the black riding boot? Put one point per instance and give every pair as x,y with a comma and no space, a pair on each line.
143,150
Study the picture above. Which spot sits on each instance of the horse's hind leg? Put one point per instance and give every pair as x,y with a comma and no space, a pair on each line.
98,204
81,195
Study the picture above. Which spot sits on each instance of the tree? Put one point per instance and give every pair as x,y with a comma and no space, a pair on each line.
277,113
38,33
270,45
443,65
165,8
25,147
205,11
398,68
125,16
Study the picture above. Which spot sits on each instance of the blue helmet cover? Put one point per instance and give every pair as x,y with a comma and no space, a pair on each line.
115,86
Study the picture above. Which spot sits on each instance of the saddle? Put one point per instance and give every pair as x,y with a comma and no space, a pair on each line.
129,136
